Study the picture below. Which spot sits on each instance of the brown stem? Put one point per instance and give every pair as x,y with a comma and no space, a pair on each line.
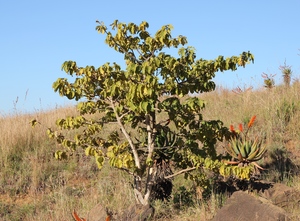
127,136
150,122
180,172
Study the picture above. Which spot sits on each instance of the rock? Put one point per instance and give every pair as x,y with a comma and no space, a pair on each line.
98,213
244,207
283,196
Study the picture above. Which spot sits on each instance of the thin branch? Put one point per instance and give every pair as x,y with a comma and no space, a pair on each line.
145,59
150,181
127,171
124,114
139,197
180,172
127,136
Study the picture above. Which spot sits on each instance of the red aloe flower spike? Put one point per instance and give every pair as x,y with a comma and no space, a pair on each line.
76,217
107,218
251,121
231,128
241,127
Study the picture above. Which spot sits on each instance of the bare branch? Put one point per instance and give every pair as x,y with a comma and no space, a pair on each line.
127,171
139,197
123,115
180,172
127,136
150,181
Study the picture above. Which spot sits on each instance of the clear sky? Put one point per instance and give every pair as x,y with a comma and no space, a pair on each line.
38,36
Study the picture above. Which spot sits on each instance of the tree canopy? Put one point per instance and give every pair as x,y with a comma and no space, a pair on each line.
161,131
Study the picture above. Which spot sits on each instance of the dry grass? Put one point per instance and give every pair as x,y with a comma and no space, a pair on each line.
34,186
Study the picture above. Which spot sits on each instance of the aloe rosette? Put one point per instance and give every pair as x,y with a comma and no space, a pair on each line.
243,150
246,151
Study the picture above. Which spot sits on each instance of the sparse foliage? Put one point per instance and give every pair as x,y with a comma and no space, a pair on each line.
154,83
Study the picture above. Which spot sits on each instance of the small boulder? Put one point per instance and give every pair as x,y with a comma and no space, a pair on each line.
244,207
283,196
98,213
138,213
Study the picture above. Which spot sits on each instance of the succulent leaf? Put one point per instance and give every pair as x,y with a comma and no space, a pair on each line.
246,150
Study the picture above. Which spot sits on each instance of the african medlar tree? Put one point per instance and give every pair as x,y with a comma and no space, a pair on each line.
154,84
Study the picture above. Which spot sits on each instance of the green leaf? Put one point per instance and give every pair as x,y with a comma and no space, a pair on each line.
99,161
89,151
50,133
145,106
60,155
149,161
33,123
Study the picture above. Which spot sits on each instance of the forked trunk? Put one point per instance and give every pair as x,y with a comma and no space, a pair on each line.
143,190
157,186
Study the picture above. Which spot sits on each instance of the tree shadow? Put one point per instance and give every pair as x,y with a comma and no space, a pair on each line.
232,185
280,167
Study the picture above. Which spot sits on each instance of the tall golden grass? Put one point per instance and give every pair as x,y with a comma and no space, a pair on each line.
34,186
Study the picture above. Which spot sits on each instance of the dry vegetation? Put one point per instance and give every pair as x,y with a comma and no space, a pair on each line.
35,186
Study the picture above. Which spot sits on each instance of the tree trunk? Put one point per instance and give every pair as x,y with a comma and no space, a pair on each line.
143,191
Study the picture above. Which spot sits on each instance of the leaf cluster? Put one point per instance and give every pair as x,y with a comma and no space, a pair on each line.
153,83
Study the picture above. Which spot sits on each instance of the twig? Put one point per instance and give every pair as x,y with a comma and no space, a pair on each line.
127,171
180,172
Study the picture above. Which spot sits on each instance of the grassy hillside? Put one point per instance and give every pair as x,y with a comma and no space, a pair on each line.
35,186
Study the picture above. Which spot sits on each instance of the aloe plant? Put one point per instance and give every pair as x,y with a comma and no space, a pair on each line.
245,151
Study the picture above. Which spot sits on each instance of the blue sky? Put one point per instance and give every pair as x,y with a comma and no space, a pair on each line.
38,36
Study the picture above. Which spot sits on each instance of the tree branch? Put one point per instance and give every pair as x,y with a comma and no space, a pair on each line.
127,171
150,144
180,172
123,115
127,136
139,198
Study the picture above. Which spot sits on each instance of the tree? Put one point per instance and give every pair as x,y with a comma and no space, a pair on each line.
153,85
